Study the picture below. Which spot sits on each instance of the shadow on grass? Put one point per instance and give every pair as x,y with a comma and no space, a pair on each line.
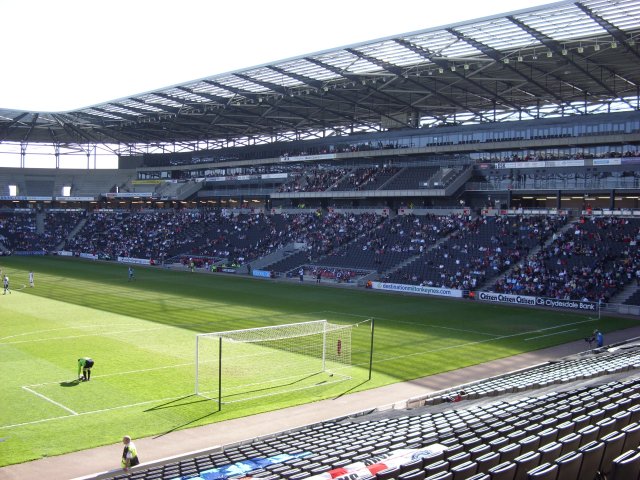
174,403
274,387
178,403
347,391
72,383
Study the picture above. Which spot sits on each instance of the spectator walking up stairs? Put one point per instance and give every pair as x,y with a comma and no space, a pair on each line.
491,281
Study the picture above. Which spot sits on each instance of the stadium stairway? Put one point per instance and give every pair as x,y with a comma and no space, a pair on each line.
626,293
410,260
486,435
73,232
490,282
274,257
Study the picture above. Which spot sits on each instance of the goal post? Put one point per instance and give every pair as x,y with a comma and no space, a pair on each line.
240,365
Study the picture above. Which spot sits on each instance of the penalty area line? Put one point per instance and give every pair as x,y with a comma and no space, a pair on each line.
50,400
120,407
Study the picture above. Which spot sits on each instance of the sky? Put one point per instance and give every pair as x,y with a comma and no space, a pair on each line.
62,55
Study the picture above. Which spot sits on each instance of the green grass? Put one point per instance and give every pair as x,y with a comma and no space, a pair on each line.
142,335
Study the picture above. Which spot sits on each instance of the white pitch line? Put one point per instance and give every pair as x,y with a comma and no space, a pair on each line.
117,374
35,332
464,330
50,401
106,334
2,427
466,344
550,334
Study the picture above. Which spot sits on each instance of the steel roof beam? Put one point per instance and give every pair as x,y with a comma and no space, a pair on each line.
614,31
556,48
343,74
442,63
397,71
72,130
319,86
497,56
282,91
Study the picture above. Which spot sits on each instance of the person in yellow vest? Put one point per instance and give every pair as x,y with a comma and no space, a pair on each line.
84,366
129,454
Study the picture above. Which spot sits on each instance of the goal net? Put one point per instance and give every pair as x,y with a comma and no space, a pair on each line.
240,365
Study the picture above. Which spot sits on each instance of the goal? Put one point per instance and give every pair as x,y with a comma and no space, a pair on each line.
240,365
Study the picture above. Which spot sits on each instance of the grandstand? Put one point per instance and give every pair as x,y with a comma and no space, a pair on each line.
496,160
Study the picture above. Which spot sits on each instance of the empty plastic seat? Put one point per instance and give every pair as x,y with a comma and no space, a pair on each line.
503,471
452,450
588,434
591,457
524,463
488,461
546,471
459,458
632,436
580,422
464,470
570,443
479,476
509,452
388,473
548,435
626,466
440,476
622,419
635,413
497,443
436,467
413,475
569,465
612,449
530,443
549,452
606,426
416,464
478,451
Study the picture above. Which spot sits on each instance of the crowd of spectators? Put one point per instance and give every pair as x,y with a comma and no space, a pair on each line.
19,231
148,234
478,249
591,261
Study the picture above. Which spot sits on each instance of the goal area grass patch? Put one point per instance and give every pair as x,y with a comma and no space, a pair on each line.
142,336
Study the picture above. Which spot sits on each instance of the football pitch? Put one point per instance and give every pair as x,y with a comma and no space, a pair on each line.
141,335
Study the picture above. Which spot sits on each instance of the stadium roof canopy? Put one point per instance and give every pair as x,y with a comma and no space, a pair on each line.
570,57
